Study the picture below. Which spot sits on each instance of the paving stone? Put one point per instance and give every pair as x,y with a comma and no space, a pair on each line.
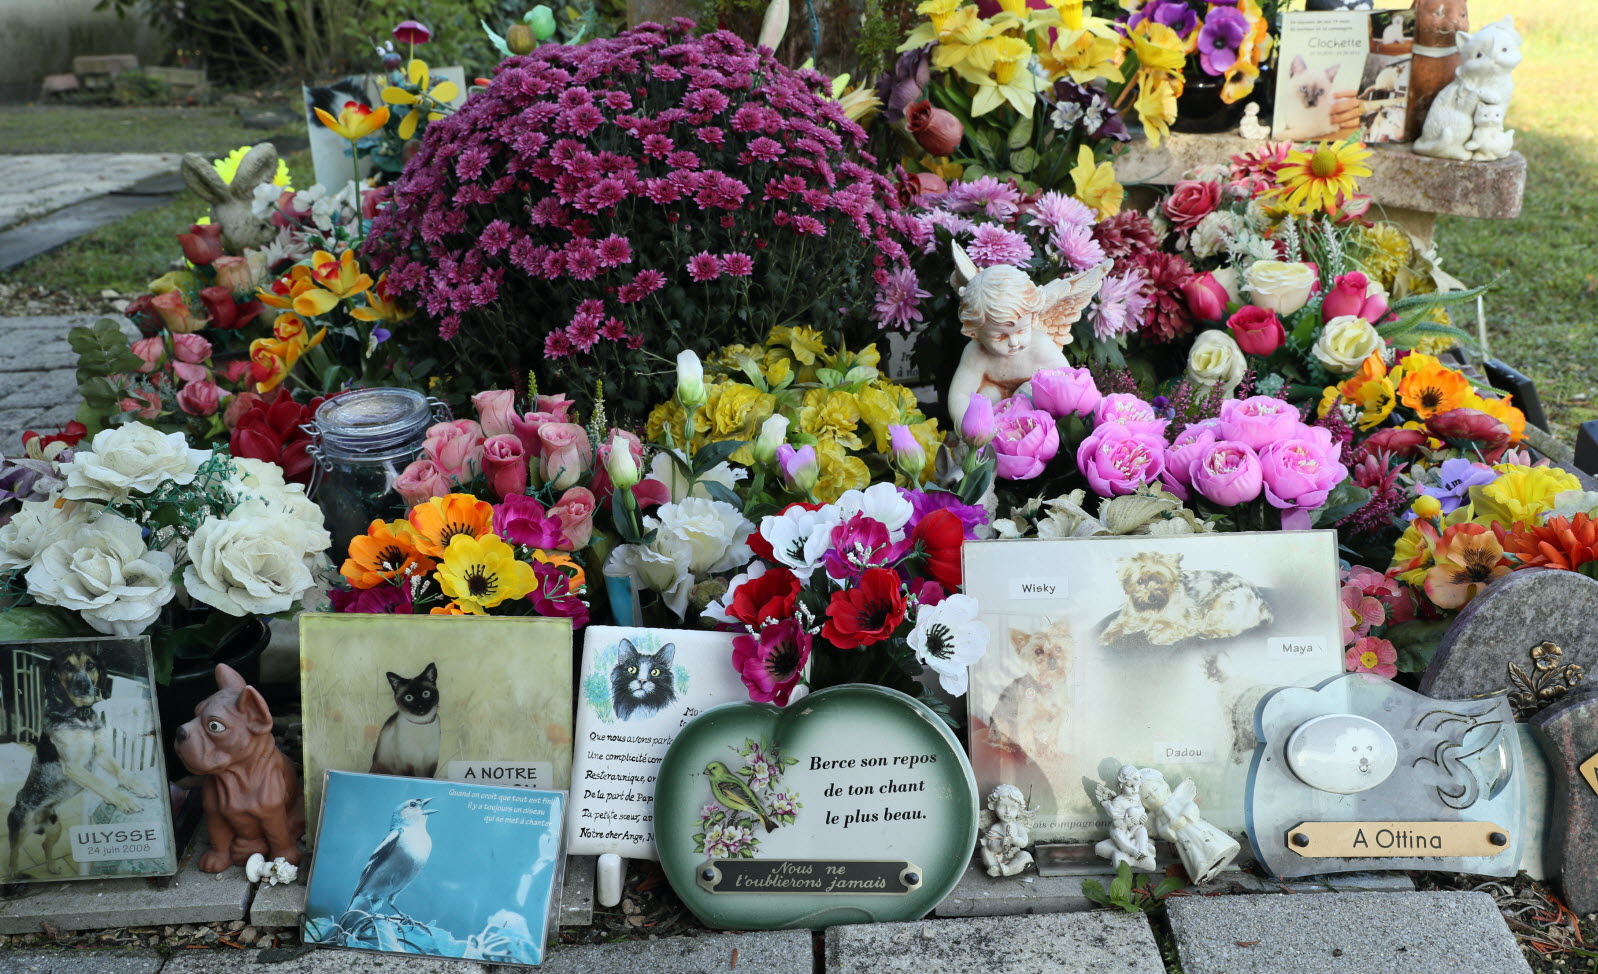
192,897
281,905
313,960
1569,734
577,896
36,389
38,384
766,952
1061,943
79,961
1502,626
1347,933
47,182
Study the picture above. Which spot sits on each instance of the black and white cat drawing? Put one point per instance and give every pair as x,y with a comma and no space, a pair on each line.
642,684
408,742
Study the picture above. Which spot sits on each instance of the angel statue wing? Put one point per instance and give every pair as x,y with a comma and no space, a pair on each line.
1061,302
965,269
1102,793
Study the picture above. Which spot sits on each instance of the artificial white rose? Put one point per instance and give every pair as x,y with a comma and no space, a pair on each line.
1227,278
260,480
714,531
130,459
1346,342
660,566
1213,233
102,570
255,561
36,526
1215,360
1279,286
949,638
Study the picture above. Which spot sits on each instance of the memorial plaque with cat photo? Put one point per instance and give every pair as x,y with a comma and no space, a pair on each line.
485,700
1150,651
638,688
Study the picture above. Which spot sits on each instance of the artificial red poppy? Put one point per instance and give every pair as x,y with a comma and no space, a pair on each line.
938,538
769,597
867,613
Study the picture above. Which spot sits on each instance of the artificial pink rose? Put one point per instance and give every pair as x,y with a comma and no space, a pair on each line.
190,372
1227,473
421,481
1354,294
233,273
495,408
546,409
199,398
144,403
175,313
566,454
456,448
576,512
1257,331
505,465
1125,409
1300,472
650,492
1065,392
1025,441
1191,200
1117,459
190,348
1206,298
1258,421
151,351
601,483
1186,448
235,372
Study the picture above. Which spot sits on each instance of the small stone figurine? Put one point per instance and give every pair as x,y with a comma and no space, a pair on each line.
1129,840
1205,849
1251,127
1004,832
1003,312
232,202
1466,120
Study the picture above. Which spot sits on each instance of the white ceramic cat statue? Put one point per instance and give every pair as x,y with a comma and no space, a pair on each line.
1486,58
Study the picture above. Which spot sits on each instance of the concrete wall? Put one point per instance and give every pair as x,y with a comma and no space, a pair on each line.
40,37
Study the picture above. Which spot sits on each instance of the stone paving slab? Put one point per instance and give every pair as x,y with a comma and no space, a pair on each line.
1414,933
577,895
767,952
313,960
21,244
38,383
1060,943
39,184
95,904
79,961
278,906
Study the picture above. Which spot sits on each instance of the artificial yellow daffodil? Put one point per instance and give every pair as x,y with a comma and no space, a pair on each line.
1008,80
971,43
1156,104
339,278
1084,55
938,14
355,121
442,94
1158,47
1017,13
1095,184
378,305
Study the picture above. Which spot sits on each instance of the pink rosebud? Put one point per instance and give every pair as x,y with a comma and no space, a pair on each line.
1258,421
1354,294
1026,440
1206,298
421,481
189,372
456,448
199,398
144,403
566,454
1125,409
190,348
152,351
977,425
495,409
233,273
1118,460
575,509
175,313
798,465
505,465
546,409
1257,331
236,371
1185,449
1227,473
1066,392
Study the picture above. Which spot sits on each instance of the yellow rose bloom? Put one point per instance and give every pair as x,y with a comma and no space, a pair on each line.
839,472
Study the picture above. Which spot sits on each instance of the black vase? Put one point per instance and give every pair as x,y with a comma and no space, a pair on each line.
1200,110
194,680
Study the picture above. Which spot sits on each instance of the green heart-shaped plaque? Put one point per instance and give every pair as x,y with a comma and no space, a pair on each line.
852,805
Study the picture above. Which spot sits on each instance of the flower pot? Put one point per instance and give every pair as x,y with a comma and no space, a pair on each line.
194,680
1200,109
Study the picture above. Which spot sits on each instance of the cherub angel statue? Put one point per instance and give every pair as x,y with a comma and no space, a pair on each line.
1129,840
1016,327
1004,836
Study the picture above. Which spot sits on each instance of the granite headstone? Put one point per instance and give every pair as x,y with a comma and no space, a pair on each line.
1568,731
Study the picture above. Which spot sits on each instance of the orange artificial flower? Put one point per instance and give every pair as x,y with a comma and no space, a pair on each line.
438,520
286,288
272,359
338,278
386,553
1506,412
379,306
1372,368
450,608
1468,558
1561,543
355,121
1433,389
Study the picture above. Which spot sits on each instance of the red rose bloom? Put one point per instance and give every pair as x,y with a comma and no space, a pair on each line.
866,614
1190,202
769,597
938,538
1257,330
269,429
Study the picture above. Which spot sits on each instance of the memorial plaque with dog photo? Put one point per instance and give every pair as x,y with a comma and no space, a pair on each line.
1151,651
82,772
479,699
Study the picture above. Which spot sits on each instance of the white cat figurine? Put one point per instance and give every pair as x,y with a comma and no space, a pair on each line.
1489,140
1486,59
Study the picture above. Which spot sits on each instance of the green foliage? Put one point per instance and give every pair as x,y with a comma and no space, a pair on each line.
882,27
1123,895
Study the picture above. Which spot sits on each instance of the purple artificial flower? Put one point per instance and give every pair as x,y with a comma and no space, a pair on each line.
1218,43
898,300
924,502
1118,310
992,244
1175,14
378,600
1455,478
999,200
902,87
1089,107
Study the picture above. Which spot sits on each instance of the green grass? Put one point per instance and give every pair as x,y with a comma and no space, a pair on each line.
35,129
1543,316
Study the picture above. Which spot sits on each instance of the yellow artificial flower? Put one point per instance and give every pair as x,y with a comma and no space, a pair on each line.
480,573
355,121
442,94
171,281
1083,55
778,370
272,359
831,415
379,307
939,13
806,343
1156,104
339,278
968,41
839,472
1375,399
228,167
738,411
1158,47
1095,184
1520,493
1010,80
926,433
1251,53
880,410
1319,180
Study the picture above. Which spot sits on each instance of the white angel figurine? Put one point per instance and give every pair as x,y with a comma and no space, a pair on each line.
1004,835
1016,327
1129,840
1205,849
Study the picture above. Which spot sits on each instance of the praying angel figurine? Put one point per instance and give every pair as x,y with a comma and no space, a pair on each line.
1016,327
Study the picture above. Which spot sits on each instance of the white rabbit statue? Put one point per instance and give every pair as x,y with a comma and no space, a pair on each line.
231,202
1486,59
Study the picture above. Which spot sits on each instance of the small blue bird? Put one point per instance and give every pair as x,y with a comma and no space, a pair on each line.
396,860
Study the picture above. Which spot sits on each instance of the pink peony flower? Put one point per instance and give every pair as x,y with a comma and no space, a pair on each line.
566,454
1258,421
1118,460
1065,392
199,398
1025,441
575,511
1227,474
1126,409
456,448
421,481
1300,472
505,465
495,410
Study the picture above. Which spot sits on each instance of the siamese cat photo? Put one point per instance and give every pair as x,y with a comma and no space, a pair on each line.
408,742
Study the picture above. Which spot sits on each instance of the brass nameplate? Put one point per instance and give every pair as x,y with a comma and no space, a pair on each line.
1589,772
809,876
1390,840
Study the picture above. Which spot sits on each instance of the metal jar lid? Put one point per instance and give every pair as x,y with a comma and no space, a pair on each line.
370,425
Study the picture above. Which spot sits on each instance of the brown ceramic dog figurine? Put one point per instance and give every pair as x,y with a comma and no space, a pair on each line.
251,793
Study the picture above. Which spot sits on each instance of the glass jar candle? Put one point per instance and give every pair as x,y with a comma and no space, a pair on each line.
362,441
